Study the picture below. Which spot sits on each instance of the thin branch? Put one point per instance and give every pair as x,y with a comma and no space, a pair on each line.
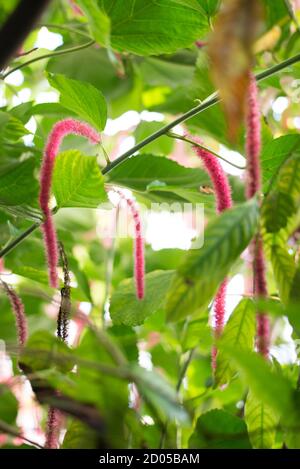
110,257
65,301
164,130
69,29
17,27
207,103
178,386
47,56
188,140
9,430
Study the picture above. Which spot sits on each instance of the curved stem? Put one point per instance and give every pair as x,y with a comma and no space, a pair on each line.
195,144
47,56
207,103
10,430
70,29
192,112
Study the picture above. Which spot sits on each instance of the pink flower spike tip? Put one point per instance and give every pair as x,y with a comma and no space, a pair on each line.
139,256
19,312
59,131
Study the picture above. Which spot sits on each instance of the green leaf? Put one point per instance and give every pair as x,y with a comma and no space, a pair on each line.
284,269
288,180
160,394
42,350
162,179
218,429
77,181
11,128
261,421
18,186
80,436
82,98
199,276
275,152
126,309
8,405
239,332
285,194
147,27
197,333
268,386
98,21
282,205
161,146
207,7
32,273
139,171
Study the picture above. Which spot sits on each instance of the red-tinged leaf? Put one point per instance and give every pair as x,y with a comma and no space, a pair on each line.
231,54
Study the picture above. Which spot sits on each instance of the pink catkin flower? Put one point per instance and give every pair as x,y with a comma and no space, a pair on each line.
253,141
253,186
218,178
53,428
224,201
59,131
139,258
19,311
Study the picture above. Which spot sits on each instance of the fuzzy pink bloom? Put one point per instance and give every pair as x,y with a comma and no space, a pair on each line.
19,311
219,313
218,178
139,257
253,186
253,141
263,323
220,308
224,201
59,131
53,428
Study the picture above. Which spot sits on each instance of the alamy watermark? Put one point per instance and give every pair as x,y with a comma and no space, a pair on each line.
114,221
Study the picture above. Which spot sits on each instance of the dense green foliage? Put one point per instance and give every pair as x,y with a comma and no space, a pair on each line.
138,374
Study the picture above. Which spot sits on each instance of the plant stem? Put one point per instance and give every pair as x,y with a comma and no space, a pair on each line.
188,140
178,386
110,261
19,239
210,101
47,56
207,103
64,28
9,430
17,27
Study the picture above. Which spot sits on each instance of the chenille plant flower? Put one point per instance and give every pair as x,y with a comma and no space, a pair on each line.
224,201
19,312
59,131
139,260
253,186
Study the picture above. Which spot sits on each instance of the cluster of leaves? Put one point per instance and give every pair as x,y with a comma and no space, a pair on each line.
141,55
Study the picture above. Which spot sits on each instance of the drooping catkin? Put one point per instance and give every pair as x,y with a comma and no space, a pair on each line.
222,191
59,131
55,417
139,257
253,186
19,312
53,428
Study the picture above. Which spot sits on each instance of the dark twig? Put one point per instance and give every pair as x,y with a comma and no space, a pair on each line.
65,303
17,27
